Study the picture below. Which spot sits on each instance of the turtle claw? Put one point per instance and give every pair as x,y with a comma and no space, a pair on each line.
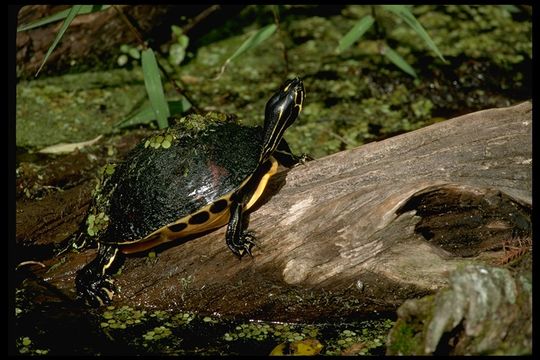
303,159
95,292
101,293
247,241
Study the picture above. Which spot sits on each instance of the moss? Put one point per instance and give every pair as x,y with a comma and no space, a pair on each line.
483,311
78,107
109,169
478,32
404,340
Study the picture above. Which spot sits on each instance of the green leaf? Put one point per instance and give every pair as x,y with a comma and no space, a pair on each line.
355,33
134,53
154,88
254,40
85,9
510,8
177,51
398,60
403,12
183,40
69,18
125,48
176,30
145,114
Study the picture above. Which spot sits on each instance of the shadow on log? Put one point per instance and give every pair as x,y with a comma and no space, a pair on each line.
353,233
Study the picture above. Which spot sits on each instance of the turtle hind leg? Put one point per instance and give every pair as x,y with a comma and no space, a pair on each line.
94,284
239,240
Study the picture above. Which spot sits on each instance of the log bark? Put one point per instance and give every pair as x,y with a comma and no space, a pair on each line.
353,233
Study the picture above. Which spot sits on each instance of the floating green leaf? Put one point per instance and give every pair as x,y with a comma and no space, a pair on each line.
254,40
398,60
154,88
355,33
84,9
403,12
145,114
69,18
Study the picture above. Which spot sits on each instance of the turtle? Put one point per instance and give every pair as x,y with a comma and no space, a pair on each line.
181,184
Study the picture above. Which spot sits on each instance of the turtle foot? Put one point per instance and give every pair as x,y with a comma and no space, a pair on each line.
303,159
94,290
244,245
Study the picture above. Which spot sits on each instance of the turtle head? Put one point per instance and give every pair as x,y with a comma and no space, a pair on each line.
280,112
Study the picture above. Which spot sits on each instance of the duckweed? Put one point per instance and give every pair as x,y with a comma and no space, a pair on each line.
364,340
96,223
109,169
122,317
208,319
157,333
160,315
157,141
261,331
367,337
183,318
25,346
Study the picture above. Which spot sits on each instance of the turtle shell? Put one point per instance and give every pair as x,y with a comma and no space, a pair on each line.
158,185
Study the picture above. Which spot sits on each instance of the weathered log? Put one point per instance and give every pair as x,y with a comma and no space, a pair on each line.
352,233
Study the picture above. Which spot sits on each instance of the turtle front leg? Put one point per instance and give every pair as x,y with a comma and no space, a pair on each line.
94,286
285,157
240,241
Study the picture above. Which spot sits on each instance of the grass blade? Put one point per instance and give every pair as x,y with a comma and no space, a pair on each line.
254,40
146,114
69,18
355,33
403,12
154,88
85,9
398,60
